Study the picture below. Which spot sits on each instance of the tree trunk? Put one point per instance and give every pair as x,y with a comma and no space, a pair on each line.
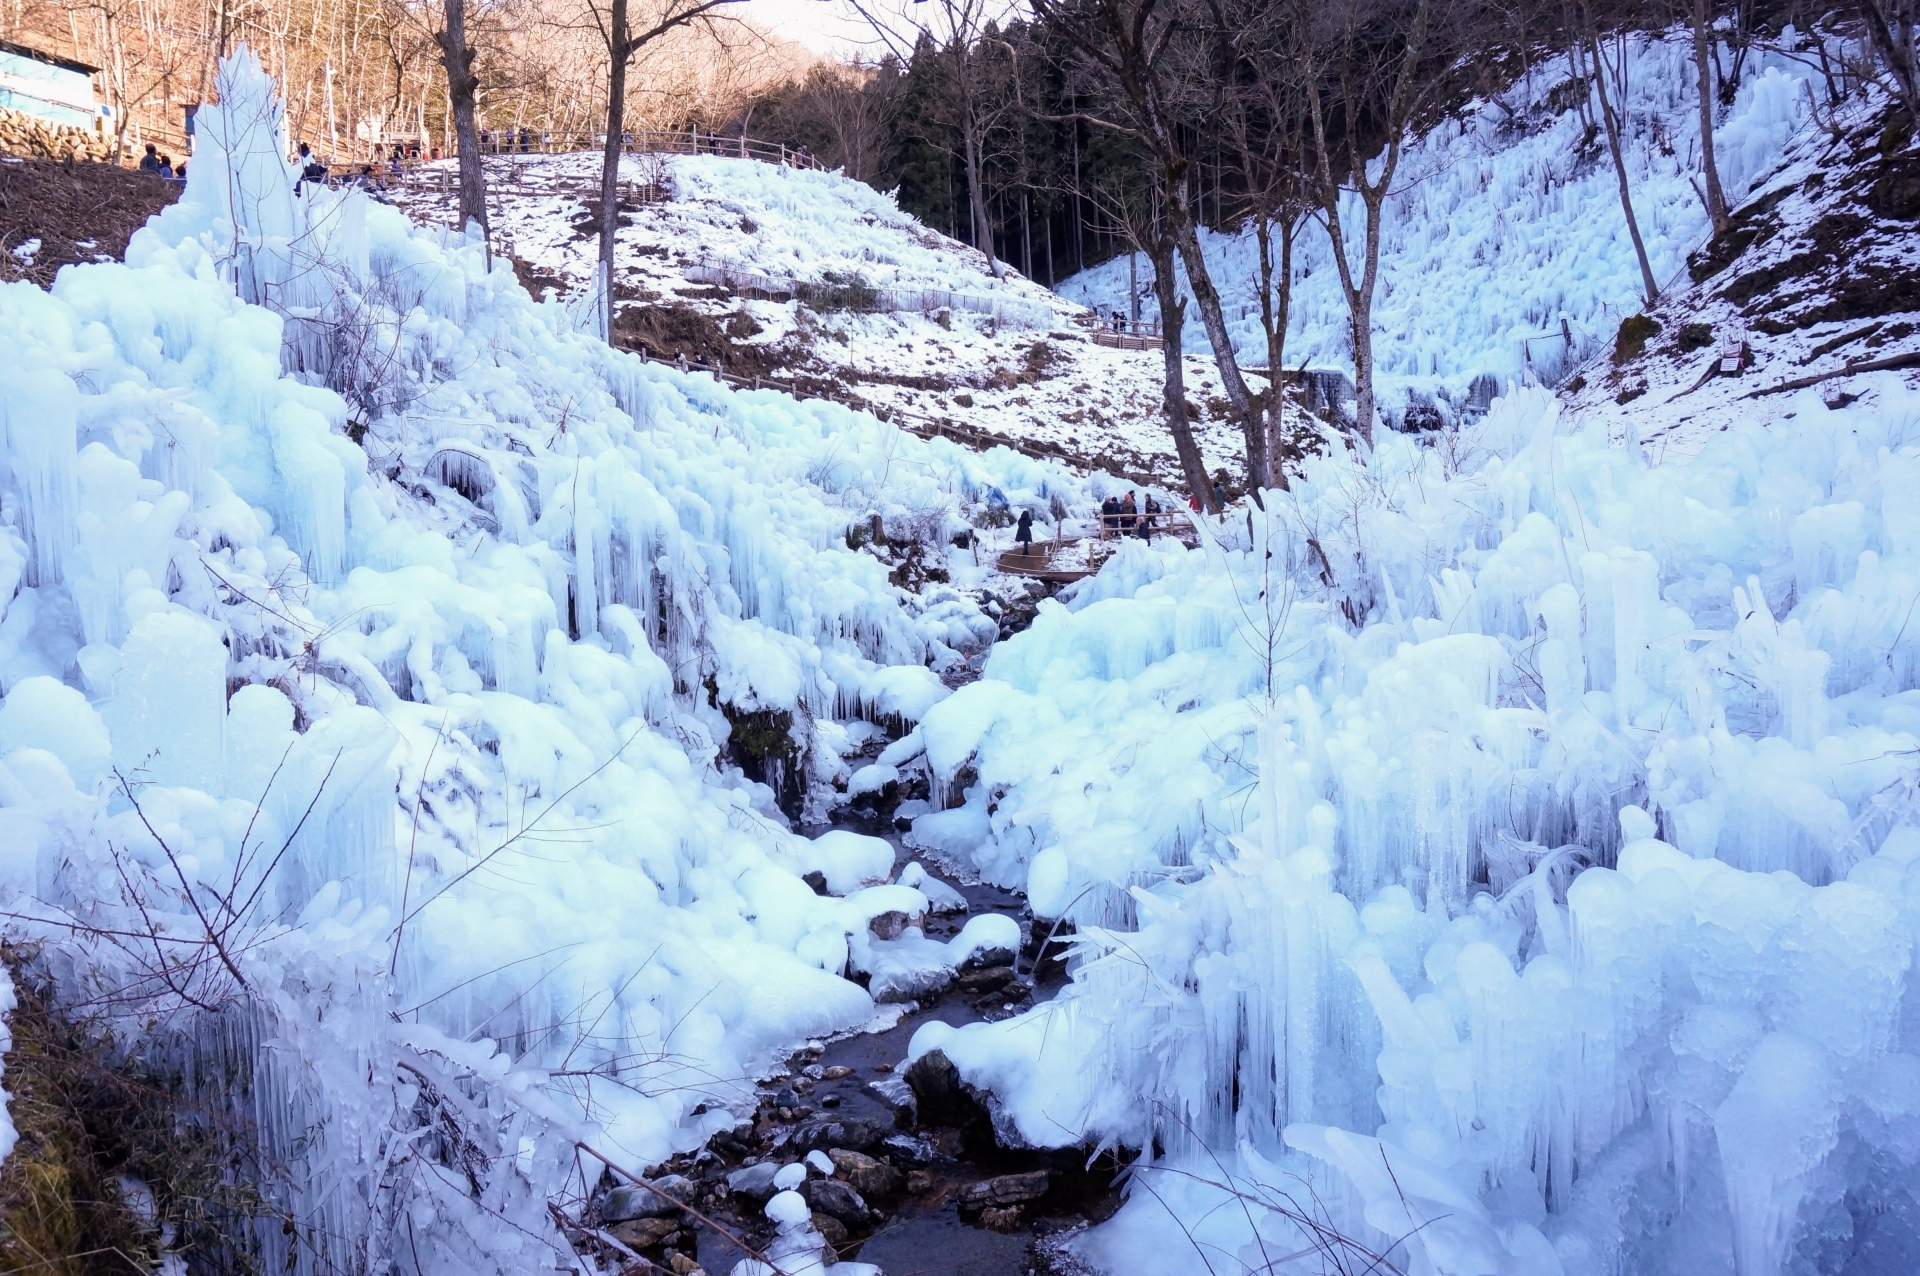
976,196
1180,222
1172,311
1893,39
1703,65
457,56
1275,301
618,50
1612,123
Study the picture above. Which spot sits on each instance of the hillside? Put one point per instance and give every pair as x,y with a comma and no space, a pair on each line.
1818,275
712,236
1505,224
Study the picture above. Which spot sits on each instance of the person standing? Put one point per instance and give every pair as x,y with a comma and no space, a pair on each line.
1023,534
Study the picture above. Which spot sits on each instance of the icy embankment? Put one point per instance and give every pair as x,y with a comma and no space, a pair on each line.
1505,220
1513,841
371,638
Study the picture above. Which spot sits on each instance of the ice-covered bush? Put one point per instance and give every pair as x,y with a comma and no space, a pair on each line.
1504,852
363,759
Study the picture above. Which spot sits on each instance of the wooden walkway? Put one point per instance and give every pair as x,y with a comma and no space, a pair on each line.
1125,340
1058,561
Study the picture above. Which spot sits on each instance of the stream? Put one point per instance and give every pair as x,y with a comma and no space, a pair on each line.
938,1197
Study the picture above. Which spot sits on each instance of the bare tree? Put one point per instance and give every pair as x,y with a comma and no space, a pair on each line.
1135,202
1365,74
623,41
1151,73
955,29
1703,40
845,112
1893,27
1262,121
1609,81
462,84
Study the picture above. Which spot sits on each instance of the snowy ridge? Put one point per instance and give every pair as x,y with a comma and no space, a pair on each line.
1516,814
373,640
1505,221
723,229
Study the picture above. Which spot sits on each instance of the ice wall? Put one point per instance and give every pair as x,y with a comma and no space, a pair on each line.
366,636
1513,813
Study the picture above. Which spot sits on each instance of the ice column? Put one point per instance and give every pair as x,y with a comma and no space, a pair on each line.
168,714
38,408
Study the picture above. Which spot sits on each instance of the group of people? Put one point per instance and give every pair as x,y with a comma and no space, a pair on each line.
314,170
1126,516
162,165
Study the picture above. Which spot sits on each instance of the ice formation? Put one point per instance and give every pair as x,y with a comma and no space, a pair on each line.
373,634
1507,852
1506,221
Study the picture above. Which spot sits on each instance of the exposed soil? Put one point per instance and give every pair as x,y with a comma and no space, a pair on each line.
79,212
107,1154
678,330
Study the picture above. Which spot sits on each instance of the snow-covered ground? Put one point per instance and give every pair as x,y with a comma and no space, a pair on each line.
1820,271
1504,222
1033,375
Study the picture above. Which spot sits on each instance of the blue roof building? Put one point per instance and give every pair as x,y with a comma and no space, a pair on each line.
56,89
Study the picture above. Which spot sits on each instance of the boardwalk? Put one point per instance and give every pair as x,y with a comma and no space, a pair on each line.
1066,559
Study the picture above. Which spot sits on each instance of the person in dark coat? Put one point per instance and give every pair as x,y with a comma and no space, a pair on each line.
1023,534
1152,508
1110,515
150,162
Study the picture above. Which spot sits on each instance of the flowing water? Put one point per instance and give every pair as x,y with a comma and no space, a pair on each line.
924,1231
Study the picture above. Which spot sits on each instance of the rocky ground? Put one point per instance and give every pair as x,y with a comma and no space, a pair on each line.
701,236
899,1168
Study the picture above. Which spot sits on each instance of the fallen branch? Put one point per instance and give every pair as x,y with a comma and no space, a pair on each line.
631,1177
1911,359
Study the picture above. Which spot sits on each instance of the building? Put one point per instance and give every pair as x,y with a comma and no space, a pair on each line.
55,89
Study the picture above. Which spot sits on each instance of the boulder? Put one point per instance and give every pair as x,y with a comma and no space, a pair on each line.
992,979
831,1229
644,1233
867,1176
662,1199
888,925
851,1132
939,1096
1001,1220
1008,1189
837,1200
754,1181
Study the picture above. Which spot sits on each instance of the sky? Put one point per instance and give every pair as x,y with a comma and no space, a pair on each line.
825,26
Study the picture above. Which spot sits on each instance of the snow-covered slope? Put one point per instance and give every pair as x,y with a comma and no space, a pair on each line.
1818,273
1504,856
696,264
1505,221
377,648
